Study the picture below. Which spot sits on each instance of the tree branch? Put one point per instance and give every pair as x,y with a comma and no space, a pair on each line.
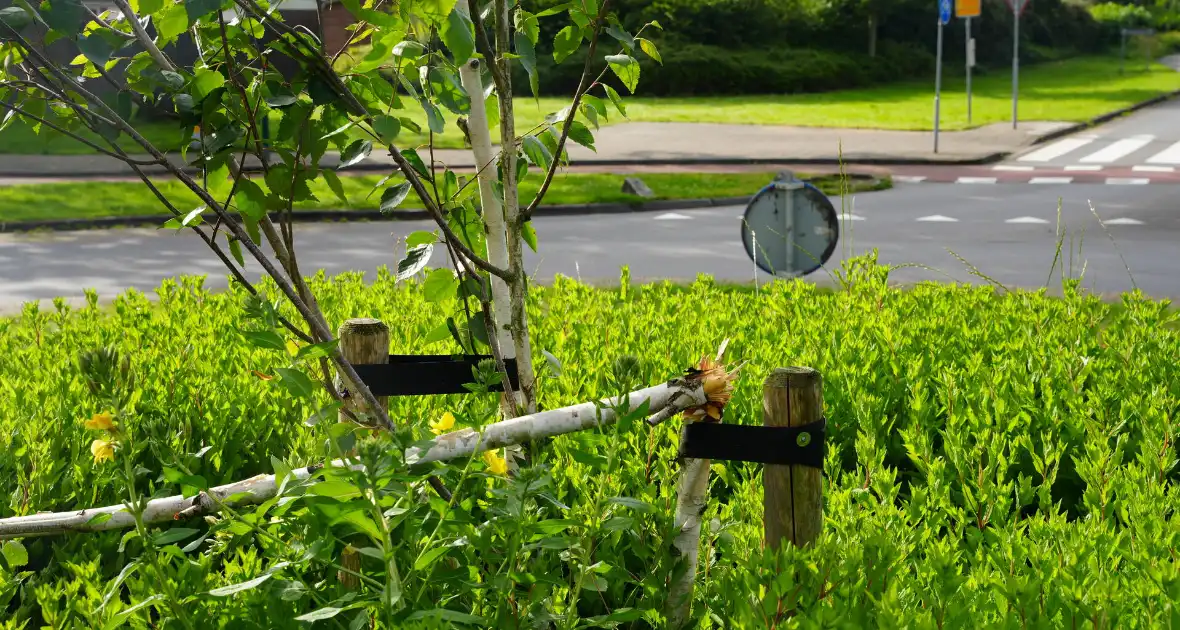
66,132
448,233
569,120
143,37
684,392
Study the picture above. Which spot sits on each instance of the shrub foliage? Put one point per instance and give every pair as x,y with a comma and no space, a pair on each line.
995,459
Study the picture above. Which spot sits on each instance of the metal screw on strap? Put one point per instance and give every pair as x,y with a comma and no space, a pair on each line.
803,439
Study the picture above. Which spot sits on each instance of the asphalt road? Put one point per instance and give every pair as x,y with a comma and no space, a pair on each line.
1008,232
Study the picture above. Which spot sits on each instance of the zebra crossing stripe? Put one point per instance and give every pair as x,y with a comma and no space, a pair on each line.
1125,181
1118,149
1050,180
976,180
1083,167
1153,169
1170,155
1058,149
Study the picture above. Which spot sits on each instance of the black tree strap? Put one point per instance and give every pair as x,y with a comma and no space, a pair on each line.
803,445
426,375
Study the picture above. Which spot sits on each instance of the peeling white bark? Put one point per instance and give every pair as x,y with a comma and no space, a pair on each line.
691,500
680,393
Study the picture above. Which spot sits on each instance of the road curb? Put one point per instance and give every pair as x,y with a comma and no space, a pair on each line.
1107,117
343,216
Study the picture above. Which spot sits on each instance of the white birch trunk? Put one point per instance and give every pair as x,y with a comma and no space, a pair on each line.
493,212
692,497
680,392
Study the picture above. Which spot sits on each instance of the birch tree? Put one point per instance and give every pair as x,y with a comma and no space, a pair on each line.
404,62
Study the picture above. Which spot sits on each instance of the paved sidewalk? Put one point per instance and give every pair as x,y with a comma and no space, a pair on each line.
670,143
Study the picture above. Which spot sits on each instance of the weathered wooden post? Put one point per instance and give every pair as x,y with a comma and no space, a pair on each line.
362,341
793,500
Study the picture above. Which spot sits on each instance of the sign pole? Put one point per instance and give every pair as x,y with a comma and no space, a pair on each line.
937,84
970,62
1015,56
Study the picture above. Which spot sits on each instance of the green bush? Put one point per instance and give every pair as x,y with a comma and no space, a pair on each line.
1121,15
994,460
697,69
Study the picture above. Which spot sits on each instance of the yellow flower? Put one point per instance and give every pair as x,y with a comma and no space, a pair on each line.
102,450
498,465
101,422
444,423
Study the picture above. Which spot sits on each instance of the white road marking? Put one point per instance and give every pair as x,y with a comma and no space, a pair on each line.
910,179
1154,169
1127,181
1057,149
1170,155
975,180
852,217
1083,167
1026,220
671,216
1050,180
1010,167
1118,149
1123,221
938,218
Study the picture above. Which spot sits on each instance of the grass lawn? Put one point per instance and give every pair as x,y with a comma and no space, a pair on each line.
1070,90
89,200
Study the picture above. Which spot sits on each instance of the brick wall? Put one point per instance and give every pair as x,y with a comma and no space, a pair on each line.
337,19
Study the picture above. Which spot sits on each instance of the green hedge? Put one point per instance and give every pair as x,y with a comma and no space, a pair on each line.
697,69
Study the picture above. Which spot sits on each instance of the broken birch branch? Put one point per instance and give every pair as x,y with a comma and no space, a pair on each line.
681,392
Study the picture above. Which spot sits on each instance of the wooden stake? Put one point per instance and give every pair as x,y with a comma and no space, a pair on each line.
362,341
793,499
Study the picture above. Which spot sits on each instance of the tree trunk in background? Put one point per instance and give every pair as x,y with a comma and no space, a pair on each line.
873,34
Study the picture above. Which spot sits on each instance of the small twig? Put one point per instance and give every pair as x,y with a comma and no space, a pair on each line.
79,138
569,121
142,35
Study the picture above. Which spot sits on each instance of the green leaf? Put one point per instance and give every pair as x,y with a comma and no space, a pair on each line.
335,184
458,34
528,59
235,248
14,18
537,152
616,99
416,258
393,197
634,504
566,43
387,127
99,519
65,16
234,589
15,554
198,9
440,284
326,612
429,557
316,350
176,534
529,235
416,163
265,339
434,117
96,48
528,23
626,68
296,382
624,38
421,237
443,614
581,134
170,22
355,153
440,333
649,49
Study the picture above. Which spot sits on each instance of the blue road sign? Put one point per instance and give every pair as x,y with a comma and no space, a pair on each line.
944,11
